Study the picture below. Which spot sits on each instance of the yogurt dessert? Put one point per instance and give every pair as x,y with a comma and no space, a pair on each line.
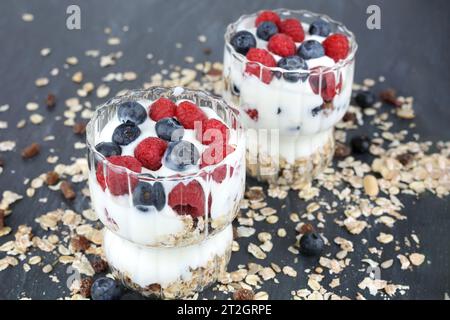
291,73
169,273
166,166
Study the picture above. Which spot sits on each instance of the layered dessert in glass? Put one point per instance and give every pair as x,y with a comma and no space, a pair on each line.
291,73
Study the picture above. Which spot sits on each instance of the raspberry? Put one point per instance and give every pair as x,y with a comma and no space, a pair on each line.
293,28
336,46
282,45
267,16
188,113
162,108
219,174
252,113
212,130
117,180
328,83
150,152
265,58
215,153
188,199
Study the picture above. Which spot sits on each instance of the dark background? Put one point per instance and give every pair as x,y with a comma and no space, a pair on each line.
411,51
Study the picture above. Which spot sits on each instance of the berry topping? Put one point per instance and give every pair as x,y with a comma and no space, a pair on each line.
320,28
242,41
169,129
293,28
146,195
360,144
105,288
336,46
265,58
188,199
252,113
293,63
310,49
365,99
116,179
108,149
188,113
281,45
266,30
324,83
162,108
212,130
150,152
132,112
219,174
267,16
215,153
311,244
180,155
126,133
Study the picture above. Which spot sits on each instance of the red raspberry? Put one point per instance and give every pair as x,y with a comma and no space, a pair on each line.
215,153
212,130
265,58
219,174
293,28
116,179
267,16
252,113
328,83
282,45
162,108
336,46
188,113
150,152
188,199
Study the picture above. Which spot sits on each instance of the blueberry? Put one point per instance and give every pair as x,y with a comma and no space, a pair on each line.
180,155
278,110
315,111
360,144
365,99
311,244
320,28
131,111
109,149
126,133
105,289
293,63
242,41
146,195
311,49
266,30
169,129
235,90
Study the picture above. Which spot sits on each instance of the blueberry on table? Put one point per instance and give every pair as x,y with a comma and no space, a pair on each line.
266,30
242,41
311,49
365,99
360,144
131,111
293,63
105,289
311,244
180,155
320,28
126,133
169,129
109,149
146,195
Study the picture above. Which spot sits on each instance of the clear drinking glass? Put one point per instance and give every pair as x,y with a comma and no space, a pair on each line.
290,124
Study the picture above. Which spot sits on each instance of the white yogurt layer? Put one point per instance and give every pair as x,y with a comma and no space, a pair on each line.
146,266
287,106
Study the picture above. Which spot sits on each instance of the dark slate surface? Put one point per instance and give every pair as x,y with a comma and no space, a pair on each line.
411,51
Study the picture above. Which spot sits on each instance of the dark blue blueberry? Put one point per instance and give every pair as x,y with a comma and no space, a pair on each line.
266,30
109,149
242,41
169,129
316,111
360,144
126,133
235,90
311,244
279,110
146,195
131,111
293,63
320,28
105,289
365,99
180,155
311,49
